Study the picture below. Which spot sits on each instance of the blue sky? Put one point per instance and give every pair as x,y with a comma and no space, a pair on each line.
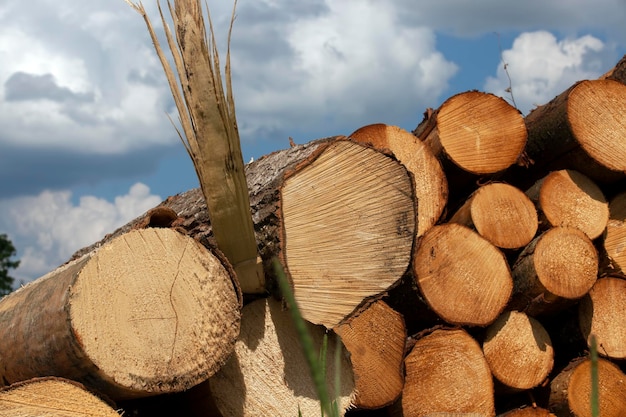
86,144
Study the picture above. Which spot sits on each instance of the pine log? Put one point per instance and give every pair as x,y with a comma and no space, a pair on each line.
339,215
52,397
268,375
528,412
375,339
602,312
150,312
614,243
556,268
446,372
582,129
429,181
463,277
518,350
500,213
618,72
569,198
570,390
479,132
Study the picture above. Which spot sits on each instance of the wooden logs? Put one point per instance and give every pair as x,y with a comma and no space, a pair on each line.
446,372
268,374
348,220
615,238
528,412
569,198
602,312
518,350
583,129
52,397
150,312
479,132
500,213
557,267
463,277
375,339
570,390
429,181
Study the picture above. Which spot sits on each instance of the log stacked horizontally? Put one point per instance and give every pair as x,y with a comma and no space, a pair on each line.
466,268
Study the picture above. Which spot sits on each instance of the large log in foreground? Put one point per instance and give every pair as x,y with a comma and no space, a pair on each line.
52,397
150,312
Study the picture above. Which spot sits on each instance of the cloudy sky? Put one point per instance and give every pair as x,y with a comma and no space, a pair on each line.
86,144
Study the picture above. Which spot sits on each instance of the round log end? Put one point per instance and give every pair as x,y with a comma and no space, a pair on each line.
595,111
569,198
601,313
464,278
615,238
518,350
349,222
481,132
155,312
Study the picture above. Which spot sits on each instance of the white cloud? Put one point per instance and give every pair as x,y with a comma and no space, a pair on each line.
541,66
48,228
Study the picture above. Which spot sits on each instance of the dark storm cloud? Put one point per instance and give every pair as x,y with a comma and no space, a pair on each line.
23,86
30,171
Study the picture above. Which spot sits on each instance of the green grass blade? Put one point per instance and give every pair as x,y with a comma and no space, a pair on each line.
595,380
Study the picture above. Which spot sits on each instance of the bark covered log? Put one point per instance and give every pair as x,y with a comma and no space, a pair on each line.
446,372
149,312
500,213
268,375
52,397
463,277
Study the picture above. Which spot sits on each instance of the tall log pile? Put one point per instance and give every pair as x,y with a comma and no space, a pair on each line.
466,266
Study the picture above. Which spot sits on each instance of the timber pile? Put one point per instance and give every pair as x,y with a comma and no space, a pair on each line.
466,268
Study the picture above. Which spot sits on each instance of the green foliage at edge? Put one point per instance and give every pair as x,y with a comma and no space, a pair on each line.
7,251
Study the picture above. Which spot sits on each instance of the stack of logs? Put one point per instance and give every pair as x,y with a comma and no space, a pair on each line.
466,268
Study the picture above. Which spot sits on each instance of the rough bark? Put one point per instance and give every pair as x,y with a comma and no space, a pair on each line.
375,339
555,269
582,129
618,72
149,312
602,313
518,350
570,390
569,198
267,375
429,180
463,277
52,397
500,213
446,372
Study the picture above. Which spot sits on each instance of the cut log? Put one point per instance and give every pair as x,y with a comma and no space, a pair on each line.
341,217
479,132
52,397
518,350
375,339
556,268
500,213
268,374
602,313
429,181
463,277
569,198
570,390
446,372
583,129
618,72
150,312
528,412
615,238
